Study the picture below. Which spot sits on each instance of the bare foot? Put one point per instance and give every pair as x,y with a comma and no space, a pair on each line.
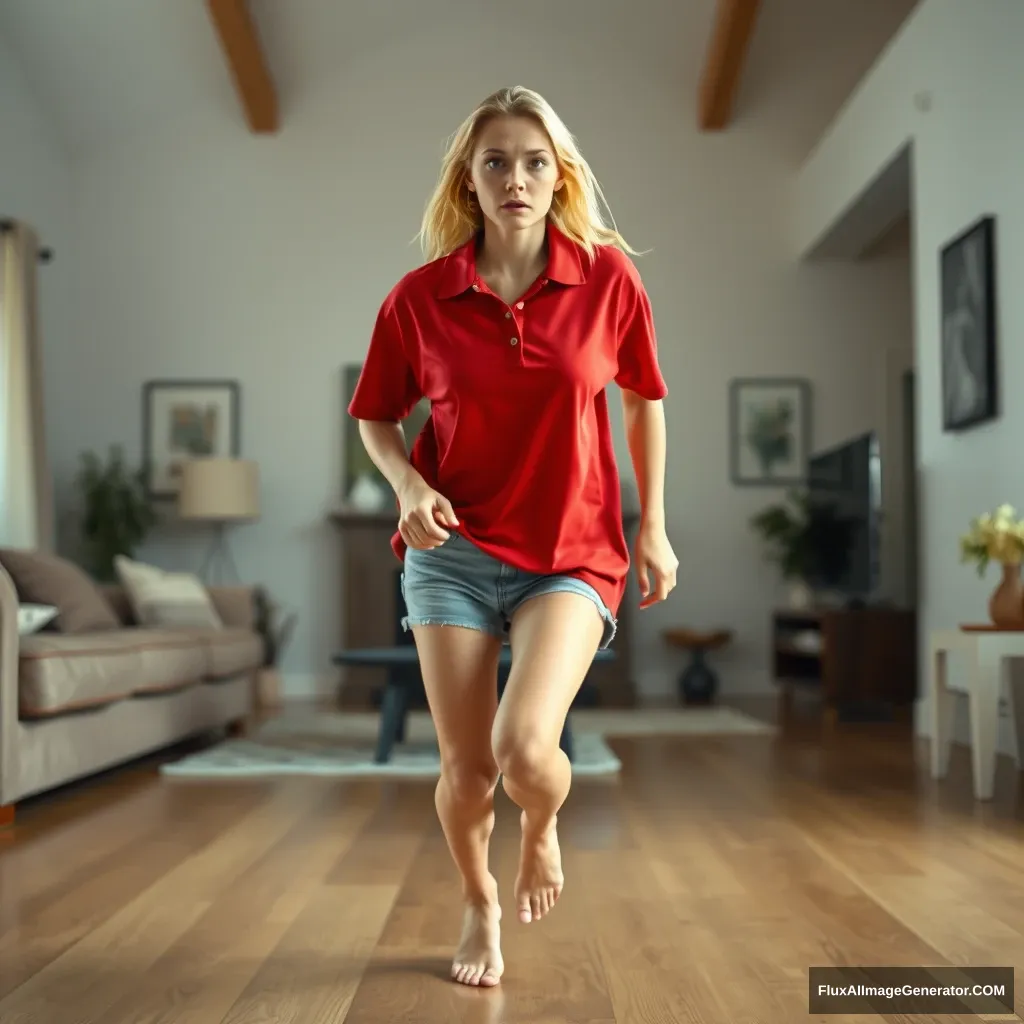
478,960
540,881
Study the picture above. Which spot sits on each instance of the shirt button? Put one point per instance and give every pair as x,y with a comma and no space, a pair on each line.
507,315
513,341
519,305
476,287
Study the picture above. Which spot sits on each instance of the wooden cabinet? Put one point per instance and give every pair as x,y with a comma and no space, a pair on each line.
372,609
861,662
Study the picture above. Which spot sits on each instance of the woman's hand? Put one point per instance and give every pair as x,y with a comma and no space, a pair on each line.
656,564
423,515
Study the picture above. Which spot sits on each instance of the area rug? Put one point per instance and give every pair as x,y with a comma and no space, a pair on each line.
338,744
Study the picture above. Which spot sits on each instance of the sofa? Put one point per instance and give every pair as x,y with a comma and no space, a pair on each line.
93,688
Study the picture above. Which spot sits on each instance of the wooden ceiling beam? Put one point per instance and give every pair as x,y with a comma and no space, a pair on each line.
723,67
247,63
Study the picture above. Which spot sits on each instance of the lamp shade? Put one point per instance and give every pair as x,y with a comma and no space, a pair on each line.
219,488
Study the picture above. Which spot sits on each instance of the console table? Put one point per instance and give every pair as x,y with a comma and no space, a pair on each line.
861,662
989,652
402,683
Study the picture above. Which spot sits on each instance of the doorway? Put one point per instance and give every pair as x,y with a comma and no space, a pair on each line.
911,530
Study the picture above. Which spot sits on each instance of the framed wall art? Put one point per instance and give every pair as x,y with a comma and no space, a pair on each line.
186,418
967,266
363,486
769,431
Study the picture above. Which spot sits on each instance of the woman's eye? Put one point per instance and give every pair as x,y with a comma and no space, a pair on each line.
536,164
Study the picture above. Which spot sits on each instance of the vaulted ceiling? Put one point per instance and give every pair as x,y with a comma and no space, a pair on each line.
104,68
239,34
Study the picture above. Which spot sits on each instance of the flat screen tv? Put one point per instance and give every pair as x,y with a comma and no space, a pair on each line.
845,496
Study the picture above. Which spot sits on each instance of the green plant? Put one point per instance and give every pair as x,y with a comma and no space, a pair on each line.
116,511
275,632
808,540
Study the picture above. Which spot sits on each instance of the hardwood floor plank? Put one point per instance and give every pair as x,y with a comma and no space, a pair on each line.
314,971
390,838
700,886
201,976
92,972
45,922
40,871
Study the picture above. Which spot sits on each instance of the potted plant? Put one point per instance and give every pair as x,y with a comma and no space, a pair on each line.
116,514
807,540
999,537
275,630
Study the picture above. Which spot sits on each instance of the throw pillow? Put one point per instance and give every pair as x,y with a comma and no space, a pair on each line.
175,600
42,578
32,617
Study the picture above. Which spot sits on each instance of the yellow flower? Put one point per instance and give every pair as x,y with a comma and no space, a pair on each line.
994,537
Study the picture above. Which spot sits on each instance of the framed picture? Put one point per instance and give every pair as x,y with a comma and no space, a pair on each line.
184,418
770,431
967,267
364,487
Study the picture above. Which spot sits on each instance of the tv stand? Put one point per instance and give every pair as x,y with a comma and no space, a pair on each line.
862,662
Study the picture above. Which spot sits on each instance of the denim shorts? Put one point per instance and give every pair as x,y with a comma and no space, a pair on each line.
458,584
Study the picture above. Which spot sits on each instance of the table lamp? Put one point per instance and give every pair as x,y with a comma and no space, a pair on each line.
219,491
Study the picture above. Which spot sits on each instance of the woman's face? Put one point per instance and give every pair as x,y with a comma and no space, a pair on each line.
513,172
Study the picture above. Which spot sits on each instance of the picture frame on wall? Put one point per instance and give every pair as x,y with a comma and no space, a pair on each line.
769,431
182,419
363,487
967,289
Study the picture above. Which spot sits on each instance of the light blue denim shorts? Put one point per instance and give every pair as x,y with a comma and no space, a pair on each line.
458,584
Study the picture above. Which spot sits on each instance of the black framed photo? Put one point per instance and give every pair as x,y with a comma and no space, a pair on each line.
769,431
186,418
967,266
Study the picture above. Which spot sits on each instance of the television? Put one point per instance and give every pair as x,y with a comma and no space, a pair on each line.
844,496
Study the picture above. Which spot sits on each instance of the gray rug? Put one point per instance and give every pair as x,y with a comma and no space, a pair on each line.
339,745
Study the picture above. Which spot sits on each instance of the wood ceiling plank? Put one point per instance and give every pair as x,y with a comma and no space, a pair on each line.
247,63
723,68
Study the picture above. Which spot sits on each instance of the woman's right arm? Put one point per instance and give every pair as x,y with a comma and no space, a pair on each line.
420,505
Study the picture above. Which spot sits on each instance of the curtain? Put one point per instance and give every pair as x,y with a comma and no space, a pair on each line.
26,491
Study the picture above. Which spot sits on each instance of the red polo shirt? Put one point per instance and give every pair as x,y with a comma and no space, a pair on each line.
519,439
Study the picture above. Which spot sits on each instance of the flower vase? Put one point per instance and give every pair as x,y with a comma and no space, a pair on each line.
1006,605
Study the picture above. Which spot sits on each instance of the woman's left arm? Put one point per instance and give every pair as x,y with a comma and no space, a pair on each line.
656,562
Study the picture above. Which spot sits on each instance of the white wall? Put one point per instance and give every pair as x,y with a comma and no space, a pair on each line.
206,252
951,84
35,187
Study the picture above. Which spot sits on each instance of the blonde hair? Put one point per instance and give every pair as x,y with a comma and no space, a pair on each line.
452,217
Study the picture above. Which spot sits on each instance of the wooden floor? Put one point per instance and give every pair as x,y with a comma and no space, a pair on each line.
700,887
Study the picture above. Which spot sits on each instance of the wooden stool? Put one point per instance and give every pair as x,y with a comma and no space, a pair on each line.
698,682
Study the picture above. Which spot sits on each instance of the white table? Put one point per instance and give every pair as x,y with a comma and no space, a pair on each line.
989,653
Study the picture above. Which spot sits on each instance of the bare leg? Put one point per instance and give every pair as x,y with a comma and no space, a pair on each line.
459,668
554,639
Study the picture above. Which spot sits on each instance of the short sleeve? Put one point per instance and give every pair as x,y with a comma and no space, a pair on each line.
638,368
387,388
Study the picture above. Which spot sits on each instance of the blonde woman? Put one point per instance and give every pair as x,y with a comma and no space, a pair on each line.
509,516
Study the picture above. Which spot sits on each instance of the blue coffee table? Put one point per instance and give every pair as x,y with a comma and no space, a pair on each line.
403,681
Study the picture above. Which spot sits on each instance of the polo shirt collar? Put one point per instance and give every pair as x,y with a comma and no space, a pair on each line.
564,265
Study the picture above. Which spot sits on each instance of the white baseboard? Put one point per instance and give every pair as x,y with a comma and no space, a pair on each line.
305,685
